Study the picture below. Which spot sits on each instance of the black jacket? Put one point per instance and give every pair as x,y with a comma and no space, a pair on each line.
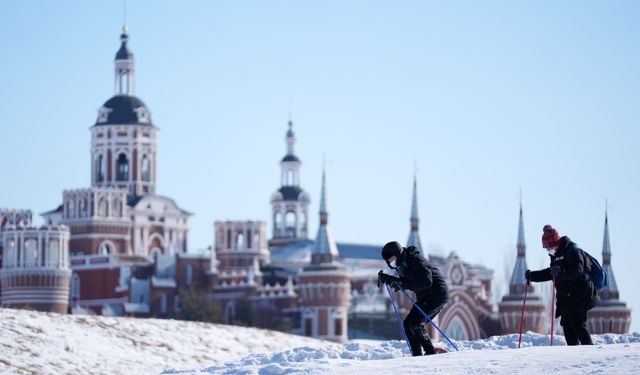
575,291
419,275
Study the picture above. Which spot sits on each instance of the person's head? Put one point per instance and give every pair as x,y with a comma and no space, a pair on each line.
550,239
391,252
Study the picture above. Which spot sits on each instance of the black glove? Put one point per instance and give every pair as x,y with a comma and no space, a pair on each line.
527,275
555,271
389,280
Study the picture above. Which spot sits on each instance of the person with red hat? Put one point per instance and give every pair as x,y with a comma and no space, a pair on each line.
575,292
416,273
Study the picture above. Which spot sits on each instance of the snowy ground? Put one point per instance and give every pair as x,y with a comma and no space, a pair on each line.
39,343
611,354
46,343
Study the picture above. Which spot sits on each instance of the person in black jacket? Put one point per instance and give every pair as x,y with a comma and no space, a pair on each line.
417,274
575,292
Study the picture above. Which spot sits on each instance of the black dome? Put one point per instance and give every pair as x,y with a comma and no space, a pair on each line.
290,158
124,53
290,193
124,109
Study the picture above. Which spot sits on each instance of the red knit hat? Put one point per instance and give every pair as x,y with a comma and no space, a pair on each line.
550,237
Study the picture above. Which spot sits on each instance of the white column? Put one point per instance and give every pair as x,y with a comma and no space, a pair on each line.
40,259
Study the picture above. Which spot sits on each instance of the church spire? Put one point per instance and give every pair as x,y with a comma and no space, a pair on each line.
324,247
610,291
414,235
517,283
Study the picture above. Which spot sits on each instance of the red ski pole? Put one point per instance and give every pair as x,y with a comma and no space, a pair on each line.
526,287
553,305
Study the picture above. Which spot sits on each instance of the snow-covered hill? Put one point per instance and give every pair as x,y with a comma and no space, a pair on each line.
46,343
41,343
611,354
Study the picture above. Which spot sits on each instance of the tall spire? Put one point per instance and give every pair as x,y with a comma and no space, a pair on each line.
124,66
611,290
324,247
414,234
517,283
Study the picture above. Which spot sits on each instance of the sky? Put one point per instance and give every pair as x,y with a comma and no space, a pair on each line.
488,99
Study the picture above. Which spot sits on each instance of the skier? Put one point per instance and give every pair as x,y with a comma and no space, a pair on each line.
575,292
417,274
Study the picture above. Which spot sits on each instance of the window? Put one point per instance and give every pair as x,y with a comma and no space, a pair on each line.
10,254
289,178
290,223
163,303
102,207
456,330
308,325
146,176
123,168
75,286
240,241
100,169
278,220
337,327
54,253
70,208
116,207
249,244
106,248
189,275
31,253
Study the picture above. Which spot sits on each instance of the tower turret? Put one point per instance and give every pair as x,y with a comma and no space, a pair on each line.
414,234
290,203
510,308
610,314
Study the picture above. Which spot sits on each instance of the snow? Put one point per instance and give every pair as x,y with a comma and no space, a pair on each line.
47,343
610,354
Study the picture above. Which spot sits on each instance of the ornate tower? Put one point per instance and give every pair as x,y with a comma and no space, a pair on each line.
35,270
289,204
324,285
610,315
510,309
123,144
414,235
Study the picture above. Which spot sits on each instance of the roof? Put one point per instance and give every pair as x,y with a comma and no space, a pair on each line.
124,53
124,109
290,193
55,210
290,158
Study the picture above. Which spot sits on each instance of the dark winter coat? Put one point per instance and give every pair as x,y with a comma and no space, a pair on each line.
419,275
575,291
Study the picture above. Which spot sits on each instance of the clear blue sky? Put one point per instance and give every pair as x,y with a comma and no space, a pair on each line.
488,97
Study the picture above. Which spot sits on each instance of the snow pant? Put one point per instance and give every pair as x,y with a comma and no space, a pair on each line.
417,331
574,325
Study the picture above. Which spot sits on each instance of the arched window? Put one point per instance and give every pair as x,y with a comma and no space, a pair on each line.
289,177
75,286
10,254
278,220
100,169
54,253
123,168
456,330
116,207
102,207
240,241
290,220
146,176
30,253
106,248
83,207
71,208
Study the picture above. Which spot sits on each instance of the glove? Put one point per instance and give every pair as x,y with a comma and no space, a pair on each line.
389,280
527,275
555,271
